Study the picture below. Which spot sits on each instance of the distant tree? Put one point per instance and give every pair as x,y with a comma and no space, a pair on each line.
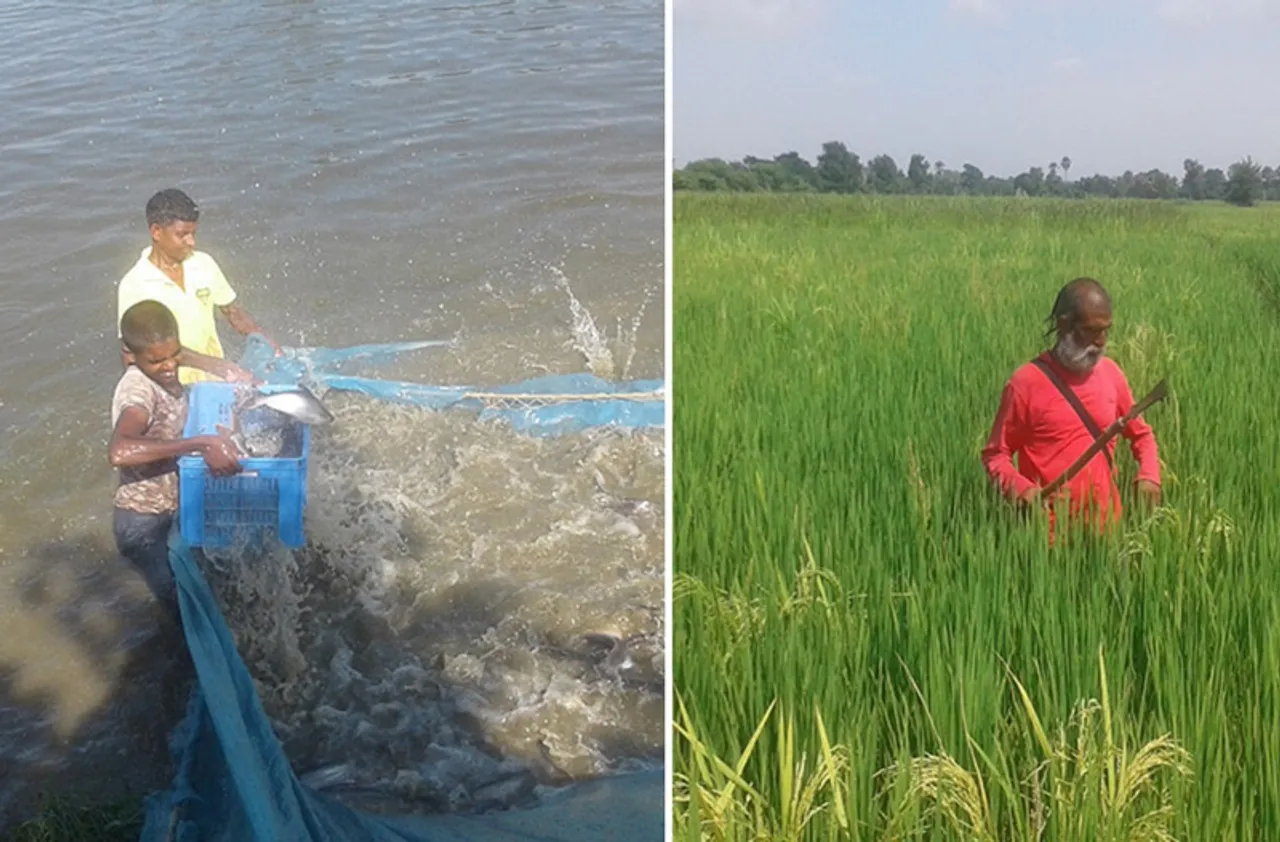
1053,181
1030,182
1143,187
1126,184
1153,184
1215,184
945,182
1193,182
1098,185
883,175
774,177
972,181
798,168
996,186
839,170
918,173
1166,185
1244,183
717,174
1270,184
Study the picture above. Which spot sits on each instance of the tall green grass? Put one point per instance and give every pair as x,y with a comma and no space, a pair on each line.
867,643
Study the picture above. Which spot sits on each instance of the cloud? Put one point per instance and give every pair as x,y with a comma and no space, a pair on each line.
1068,64
757,18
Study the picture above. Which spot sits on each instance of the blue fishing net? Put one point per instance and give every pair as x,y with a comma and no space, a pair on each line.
551,405
233,781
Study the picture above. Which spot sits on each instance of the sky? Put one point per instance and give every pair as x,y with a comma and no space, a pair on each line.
1001,84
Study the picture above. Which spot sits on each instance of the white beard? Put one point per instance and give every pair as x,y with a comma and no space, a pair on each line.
1076,357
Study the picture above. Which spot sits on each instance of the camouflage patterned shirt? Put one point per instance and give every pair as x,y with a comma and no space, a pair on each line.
153,488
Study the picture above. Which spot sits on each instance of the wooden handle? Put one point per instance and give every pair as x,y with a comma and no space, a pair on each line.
1113,429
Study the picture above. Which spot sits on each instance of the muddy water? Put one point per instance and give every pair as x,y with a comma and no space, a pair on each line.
468,604
489,174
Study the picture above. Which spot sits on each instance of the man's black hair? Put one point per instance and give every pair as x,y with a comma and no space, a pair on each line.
1069,300
145,324
170,206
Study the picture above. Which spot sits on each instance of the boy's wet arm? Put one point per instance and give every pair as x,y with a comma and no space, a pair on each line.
129,447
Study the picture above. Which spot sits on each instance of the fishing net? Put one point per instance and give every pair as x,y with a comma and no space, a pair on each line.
551,405
233,780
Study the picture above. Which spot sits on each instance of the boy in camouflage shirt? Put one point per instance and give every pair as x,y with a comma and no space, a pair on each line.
148,413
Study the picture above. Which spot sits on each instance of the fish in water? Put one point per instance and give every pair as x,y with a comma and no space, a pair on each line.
266,443
632,659
262,443
627,507
297,403
260,434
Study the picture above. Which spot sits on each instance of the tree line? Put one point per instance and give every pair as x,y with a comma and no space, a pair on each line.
838,170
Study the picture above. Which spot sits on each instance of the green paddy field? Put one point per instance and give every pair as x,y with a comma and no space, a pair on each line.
867,643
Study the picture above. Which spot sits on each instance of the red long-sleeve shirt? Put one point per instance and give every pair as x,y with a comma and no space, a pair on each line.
1037,424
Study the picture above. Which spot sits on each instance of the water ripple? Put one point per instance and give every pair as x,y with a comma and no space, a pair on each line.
375,171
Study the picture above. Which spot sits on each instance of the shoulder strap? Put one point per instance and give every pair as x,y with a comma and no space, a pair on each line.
1089,423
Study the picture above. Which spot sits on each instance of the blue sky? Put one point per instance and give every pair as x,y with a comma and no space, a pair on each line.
1002,84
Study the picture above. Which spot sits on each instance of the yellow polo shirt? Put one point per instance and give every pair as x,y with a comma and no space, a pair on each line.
206,288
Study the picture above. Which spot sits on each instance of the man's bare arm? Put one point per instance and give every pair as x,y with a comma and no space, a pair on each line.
216,366
239,318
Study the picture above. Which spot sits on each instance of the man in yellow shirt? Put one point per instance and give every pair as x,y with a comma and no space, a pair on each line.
189,283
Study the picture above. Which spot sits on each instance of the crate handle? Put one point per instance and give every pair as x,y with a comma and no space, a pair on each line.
248,473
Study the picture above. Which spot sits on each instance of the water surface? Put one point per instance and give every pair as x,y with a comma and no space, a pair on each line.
488,173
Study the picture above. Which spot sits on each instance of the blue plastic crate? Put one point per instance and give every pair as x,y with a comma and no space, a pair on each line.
267,499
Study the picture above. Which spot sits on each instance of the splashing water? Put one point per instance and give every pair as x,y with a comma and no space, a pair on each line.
589,341
477,613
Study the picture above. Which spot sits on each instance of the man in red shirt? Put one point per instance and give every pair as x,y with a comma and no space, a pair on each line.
1054,406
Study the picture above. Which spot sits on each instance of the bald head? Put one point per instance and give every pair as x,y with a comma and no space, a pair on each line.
1081,318
1078,298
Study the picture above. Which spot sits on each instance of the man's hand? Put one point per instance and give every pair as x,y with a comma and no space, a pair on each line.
236,374
275,346
245,324
1031,496
1149,492
220,454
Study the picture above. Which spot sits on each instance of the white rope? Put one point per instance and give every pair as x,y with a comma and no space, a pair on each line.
532,399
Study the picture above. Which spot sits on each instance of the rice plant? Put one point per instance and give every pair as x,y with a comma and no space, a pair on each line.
868,643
